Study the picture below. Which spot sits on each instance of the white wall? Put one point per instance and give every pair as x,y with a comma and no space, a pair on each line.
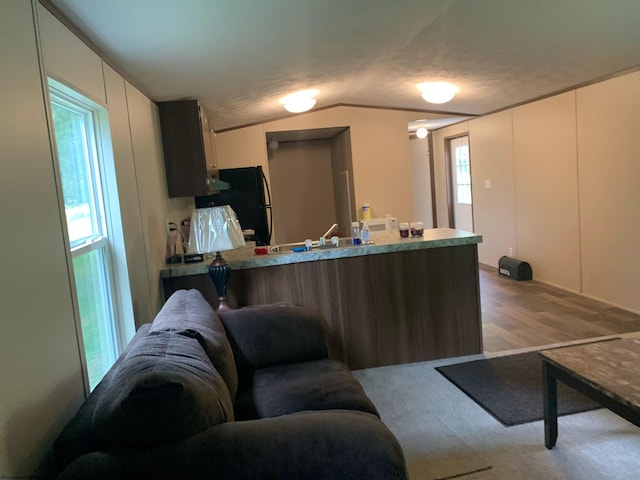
563,193
40,369
40,351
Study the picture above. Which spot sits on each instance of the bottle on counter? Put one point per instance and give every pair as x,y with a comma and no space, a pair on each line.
365,233
366,212
174,245
355,233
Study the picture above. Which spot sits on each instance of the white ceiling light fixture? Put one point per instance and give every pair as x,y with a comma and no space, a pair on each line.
300,101
273,144
438,92
422,132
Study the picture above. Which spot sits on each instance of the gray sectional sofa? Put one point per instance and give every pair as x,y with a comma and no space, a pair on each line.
249,394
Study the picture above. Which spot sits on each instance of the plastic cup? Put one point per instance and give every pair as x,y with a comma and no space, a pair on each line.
403,228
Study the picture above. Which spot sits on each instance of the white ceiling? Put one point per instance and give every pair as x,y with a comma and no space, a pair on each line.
239,57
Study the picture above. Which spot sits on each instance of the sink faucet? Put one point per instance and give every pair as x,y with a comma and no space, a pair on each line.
332,228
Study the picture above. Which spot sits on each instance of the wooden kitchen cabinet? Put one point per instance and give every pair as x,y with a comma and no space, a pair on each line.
189,151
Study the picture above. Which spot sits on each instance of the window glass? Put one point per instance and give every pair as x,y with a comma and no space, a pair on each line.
95,313
76,144
80,184
463,175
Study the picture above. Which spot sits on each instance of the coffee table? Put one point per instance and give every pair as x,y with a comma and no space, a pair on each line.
607,372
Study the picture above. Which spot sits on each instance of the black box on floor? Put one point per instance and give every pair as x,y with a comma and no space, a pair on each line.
514,268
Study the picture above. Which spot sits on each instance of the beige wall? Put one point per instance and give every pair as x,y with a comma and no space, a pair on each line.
137,149
546,188
381,155
609,170
154,204
440,174
421,182
341,165
563,194
245,147
301,190
131,216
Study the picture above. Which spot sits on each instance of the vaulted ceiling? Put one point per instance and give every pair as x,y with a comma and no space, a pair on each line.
239,57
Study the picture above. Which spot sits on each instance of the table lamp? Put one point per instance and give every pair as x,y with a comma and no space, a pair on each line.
216,229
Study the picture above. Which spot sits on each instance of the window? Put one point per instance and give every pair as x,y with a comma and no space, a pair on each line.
81,166
463,174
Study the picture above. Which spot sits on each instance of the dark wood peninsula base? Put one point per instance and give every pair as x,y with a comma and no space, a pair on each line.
383,309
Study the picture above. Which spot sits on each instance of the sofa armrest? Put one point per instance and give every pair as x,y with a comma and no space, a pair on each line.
269,335
306,445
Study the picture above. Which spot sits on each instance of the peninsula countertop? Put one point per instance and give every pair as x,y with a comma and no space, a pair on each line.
243,258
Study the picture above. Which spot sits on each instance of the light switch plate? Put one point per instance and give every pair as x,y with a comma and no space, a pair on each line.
487,183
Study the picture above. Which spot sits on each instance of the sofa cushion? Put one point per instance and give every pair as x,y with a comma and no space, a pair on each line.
316,385
164,389
268,335
188,309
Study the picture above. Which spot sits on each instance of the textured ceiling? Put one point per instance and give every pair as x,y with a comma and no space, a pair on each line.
239,57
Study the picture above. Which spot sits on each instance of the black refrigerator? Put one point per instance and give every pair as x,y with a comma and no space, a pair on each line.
250,198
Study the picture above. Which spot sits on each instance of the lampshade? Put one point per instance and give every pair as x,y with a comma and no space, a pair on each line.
214,229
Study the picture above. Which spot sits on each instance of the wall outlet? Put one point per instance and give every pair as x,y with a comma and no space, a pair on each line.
510,251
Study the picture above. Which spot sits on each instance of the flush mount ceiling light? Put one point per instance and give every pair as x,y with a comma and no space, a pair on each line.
300,101
422,132
273,144
438,92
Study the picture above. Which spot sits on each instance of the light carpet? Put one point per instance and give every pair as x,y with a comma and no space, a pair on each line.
446,435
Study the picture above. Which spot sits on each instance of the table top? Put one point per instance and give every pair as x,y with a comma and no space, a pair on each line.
611,367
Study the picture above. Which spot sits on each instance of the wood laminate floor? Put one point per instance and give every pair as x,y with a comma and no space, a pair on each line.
530,314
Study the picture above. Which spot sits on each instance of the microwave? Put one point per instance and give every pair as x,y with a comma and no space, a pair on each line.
381,224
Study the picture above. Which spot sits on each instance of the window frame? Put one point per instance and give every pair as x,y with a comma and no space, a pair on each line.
111,237
459,183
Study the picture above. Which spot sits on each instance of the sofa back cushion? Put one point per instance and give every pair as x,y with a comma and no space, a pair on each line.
77,436
164,389
188,309
267,335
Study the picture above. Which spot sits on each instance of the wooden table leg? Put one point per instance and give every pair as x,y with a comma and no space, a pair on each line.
550,394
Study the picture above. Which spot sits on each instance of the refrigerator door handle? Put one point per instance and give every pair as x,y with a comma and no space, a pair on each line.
268,206
266,184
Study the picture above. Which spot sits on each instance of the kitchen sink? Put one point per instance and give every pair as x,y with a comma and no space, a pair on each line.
315,245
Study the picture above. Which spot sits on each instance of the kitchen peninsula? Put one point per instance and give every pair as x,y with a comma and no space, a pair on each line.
399,300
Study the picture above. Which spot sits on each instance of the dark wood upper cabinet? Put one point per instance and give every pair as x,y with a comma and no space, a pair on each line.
189,151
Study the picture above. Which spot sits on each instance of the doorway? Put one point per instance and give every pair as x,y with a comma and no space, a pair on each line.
459,190
311,183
